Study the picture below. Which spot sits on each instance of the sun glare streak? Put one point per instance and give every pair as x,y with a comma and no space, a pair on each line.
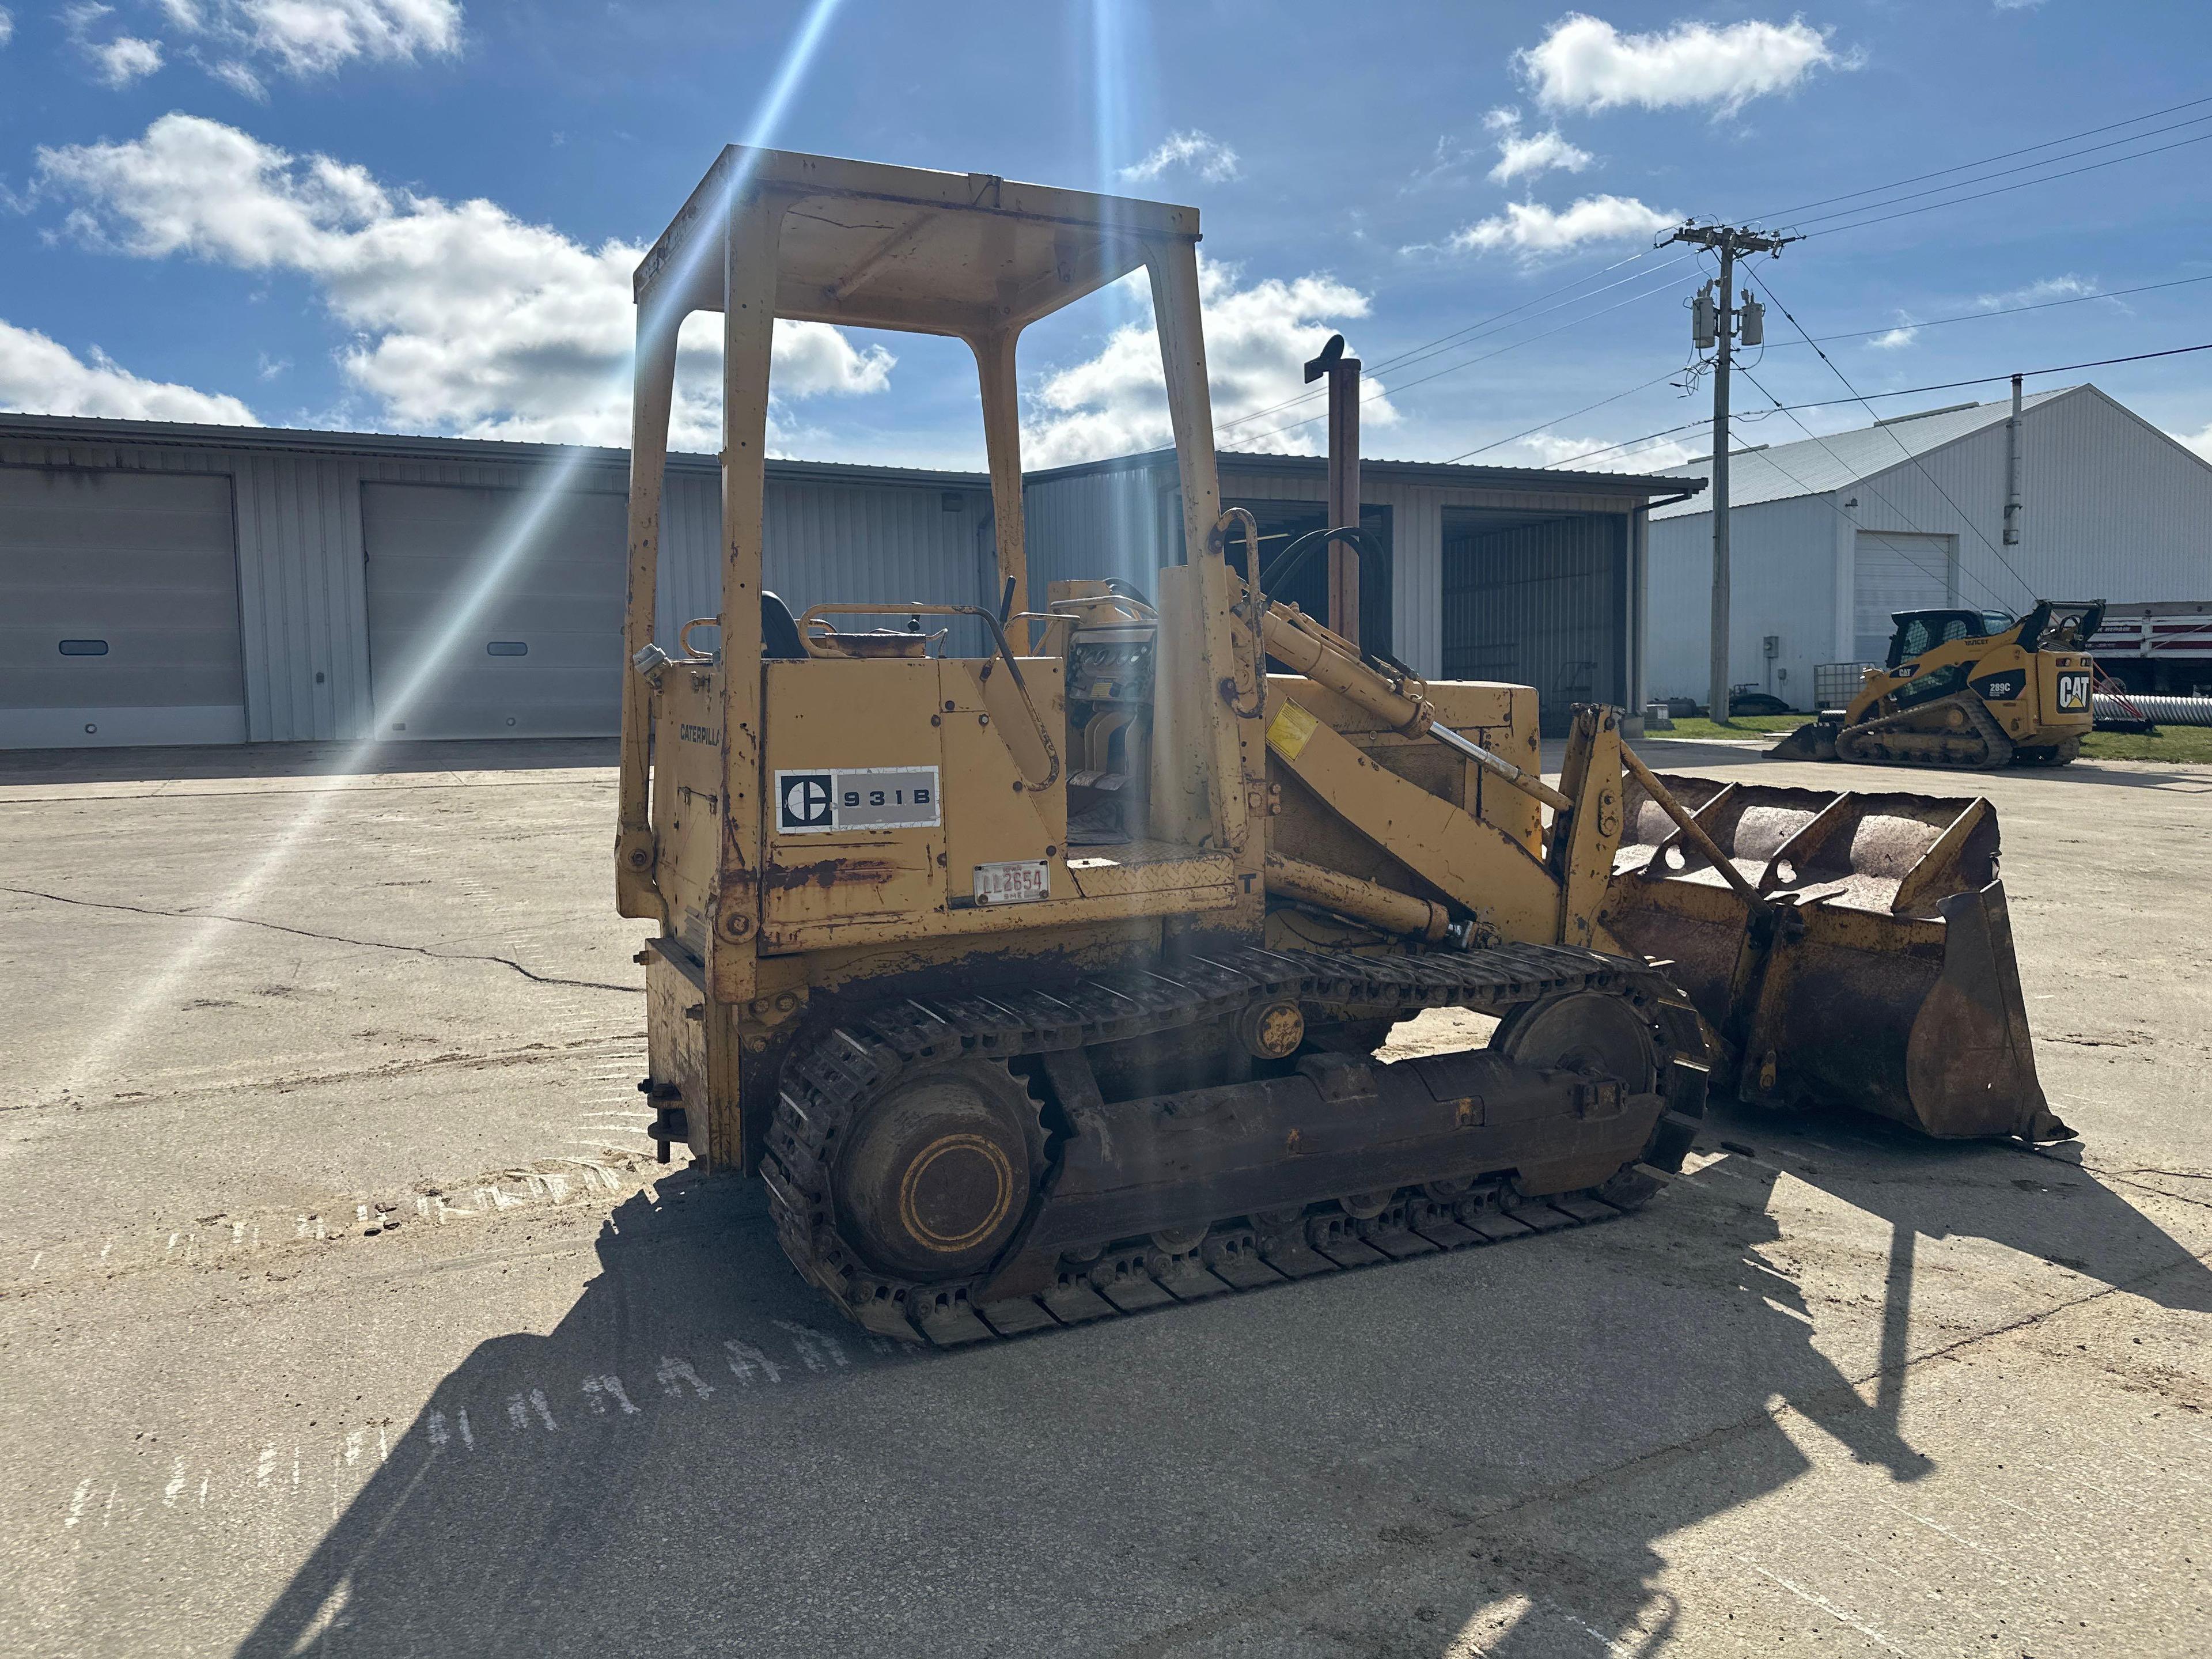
1119,56
501,557
1119,47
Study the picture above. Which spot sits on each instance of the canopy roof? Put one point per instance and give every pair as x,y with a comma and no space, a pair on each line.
869,246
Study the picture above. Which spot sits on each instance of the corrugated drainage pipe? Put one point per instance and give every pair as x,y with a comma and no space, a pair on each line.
2162,711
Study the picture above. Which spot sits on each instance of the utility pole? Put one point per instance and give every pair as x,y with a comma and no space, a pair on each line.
1714,321
1343,373
2011,471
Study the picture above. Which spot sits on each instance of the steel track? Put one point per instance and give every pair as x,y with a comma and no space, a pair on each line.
827,1083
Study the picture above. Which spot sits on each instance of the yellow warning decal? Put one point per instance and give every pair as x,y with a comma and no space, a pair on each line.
1288,732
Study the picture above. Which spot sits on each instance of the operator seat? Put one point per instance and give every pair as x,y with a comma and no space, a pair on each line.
780,640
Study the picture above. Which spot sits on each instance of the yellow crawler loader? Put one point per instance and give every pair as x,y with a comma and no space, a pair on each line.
1967,688
1047,984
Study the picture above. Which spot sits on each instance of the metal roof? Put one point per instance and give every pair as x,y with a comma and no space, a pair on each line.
1836,460
1444,475
75,428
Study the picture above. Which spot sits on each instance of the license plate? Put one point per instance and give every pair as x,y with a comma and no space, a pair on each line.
2073,690
1023,883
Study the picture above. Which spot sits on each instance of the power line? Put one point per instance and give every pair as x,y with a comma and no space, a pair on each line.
1630,443
1963,167
1572,322
1464,336
2025,167
1421,354
2006,311
1855,334
1599,403
1903,392
1767,289
1985,380
1960,201
1863,483
1444,341
1469,331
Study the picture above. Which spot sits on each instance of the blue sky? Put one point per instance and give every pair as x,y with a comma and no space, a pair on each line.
420,216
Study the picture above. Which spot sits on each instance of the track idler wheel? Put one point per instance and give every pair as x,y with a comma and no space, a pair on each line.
936,1176
1589,1031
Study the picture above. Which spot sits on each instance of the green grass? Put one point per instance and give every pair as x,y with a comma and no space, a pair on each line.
2176,745
2180,745
1741,729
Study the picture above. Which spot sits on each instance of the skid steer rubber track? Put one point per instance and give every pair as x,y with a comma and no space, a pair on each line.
1979,745
1056,1278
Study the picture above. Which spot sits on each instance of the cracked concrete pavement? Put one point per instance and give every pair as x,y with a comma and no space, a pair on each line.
283,1372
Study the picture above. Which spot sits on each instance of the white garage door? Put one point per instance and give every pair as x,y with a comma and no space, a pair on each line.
1893,572
493,613
119,609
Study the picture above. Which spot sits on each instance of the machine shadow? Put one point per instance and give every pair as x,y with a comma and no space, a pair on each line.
1588,1563
2044,1204
695,1455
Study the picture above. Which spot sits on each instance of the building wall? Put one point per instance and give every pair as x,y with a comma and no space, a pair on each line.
1087,524
832,542
300,553
1096,525
1542,604
2111,509
1782,557
301,550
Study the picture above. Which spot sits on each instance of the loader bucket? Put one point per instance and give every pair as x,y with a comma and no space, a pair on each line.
1879,973
1815,740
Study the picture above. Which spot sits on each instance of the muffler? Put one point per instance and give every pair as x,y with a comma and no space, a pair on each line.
1874,969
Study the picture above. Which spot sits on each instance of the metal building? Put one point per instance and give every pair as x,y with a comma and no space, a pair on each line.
1494,573
1829,536
166,583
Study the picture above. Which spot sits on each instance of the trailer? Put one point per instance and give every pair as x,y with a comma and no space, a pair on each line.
2158,649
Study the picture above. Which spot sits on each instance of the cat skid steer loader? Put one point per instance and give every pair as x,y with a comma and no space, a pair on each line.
1967,688
1046,984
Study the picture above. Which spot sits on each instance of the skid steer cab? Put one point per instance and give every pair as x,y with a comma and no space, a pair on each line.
1968,689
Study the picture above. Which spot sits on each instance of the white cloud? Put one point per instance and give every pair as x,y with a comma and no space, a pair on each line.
1201,152
2048,288
116,62
2015,5
1531,228
40,376
1551,449
1257,340
464,318
1896,339
124,59
239,78
308,37
315,36
2201,442
1585,63
1532,153
7,26
1444,163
